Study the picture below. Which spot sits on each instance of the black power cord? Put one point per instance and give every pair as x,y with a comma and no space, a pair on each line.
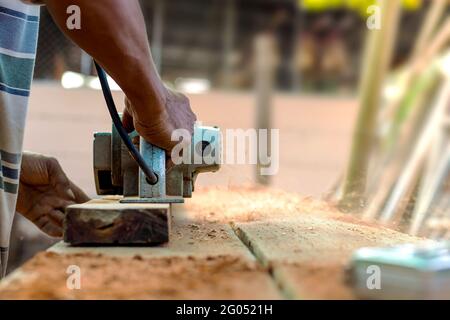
152,177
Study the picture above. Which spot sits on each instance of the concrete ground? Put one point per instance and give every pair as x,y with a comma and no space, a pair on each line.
315,134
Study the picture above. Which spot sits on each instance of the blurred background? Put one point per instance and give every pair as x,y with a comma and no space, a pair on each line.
316,45
293,65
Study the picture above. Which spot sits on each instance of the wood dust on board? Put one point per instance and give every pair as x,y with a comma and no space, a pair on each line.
249,204
107,277
305,242
308,241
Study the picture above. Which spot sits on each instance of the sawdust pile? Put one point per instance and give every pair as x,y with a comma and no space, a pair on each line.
106,277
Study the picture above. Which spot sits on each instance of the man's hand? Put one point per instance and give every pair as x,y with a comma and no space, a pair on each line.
45,192
156,126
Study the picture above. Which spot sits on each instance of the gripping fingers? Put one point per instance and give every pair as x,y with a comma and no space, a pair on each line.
57,217
79,195
49,227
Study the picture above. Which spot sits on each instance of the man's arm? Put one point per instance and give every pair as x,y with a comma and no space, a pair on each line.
114,33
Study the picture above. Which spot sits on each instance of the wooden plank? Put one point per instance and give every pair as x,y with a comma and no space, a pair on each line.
109,277
308,254
190,236
203,260
116,223
304,244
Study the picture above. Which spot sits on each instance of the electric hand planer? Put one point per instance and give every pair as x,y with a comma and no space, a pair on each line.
116,173
143,185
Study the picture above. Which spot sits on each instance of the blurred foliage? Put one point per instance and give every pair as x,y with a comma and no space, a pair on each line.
358,5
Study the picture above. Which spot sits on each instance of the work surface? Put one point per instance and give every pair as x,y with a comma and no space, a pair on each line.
225,244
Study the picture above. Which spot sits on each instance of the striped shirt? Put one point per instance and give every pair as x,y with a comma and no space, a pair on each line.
19,24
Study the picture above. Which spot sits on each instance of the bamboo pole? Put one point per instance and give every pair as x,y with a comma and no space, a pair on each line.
418,156
400,151
428,192
377,60
435,45
439,43
432,19
417,68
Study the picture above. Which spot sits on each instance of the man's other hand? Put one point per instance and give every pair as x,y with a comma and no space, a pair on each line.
45,192
156,125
